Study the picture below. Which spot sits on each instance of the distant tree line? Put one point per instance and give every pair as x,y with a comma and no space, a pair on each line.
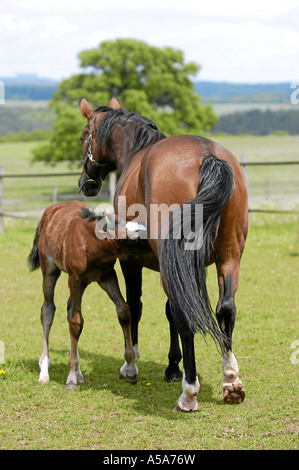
217,92
29,92
23,118
258,122
27,119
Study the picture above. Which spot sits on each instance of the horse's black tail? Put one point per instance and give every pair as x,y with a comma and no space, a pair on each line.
33,258
182,268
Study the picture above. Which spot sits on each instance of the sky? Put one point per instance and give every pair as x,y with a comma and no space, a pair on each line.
238,41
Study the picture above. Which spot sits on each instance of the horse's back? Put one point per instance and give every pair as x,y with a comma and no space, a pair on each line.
172,168
55,227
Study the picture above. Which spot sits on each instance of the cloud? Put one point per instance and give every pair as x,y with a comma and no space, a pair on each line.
248,41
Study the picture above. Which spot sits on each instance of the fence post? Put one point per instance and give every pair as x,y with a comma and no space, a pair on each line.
1,198
55,193
244,168
112,185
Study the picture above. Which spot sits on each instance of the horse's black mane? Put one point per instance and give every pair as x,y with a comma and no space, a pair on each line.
90,215
146,130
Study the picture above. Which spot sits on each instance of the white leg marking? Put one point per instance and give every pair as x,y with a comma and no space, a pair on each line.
187,401
44,370
230,368
233,390
79,375
71,381
130,369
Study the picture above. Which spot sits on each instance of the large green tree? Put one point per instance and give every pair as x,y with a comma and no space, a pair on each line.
155,82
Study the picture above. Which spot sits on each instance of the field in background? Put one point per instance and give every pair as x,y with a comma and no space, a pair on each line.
231,107
269,186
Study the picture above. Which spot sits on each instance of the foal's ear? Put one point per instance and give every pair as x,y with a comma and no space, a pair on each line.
114,103
85,108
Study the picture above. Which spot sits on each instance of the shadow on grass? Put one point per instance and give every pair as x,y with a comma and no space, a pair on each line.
150,396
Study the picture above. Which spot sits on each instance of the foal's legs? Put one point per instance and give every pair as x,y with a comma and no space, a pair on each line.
110,285
228,279
79,375
75,326
50,275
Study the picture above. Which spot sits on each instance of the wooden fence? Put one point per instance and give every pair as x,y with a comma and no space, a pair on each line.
266,188
41,190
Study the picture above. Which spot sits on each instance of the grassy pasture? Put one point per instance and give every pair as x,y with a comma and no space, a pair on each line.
107,413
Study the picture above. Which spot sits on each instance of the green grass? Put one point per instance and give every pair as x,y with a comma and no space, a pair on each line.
107,413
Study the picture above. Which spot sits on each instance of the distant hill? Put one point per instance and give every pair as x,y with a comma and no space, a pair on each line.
33,87
257,109
217,92
29,87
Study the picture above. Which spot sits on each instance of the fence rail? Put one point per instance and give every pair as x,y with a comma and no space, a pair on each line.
267,187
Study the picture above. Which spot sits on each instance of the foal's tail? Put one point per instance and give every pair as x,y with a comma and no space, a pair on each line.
33,258
182,268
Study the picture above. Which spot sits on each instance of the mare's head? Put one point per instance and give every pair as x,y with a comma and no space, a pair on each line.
96,164
103,149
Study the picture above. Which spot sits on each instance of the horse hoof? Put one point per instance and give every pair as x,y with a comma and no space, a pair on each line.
80,378
233,393
186,407
172,375
44,380
131,380
71,386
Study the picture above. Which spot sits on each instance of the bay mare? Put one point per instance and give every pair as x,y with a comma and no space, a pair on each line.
65,241
182,169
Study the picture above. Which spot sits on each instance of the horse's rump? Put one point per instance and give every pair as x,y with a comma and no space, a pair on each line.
183,270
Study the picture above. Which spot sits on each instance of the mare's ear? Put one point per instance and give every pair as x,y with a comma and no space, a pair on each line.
114,103
85,108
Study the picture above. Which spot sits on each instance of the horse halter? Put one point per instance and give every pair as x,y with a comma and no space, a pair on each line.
89,157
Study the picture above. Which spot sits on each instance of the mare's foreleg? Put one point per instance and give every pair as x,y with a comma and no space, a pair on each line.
110,285
50,275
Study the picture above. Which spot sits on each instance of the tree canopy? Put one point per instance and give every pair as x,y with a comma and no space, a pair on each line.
155,82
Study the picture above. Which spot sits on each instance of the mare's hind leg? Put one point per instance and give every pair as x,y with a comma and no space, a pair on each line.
172,372
190,384
228,279
110,285
75,326
50,275
132,272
